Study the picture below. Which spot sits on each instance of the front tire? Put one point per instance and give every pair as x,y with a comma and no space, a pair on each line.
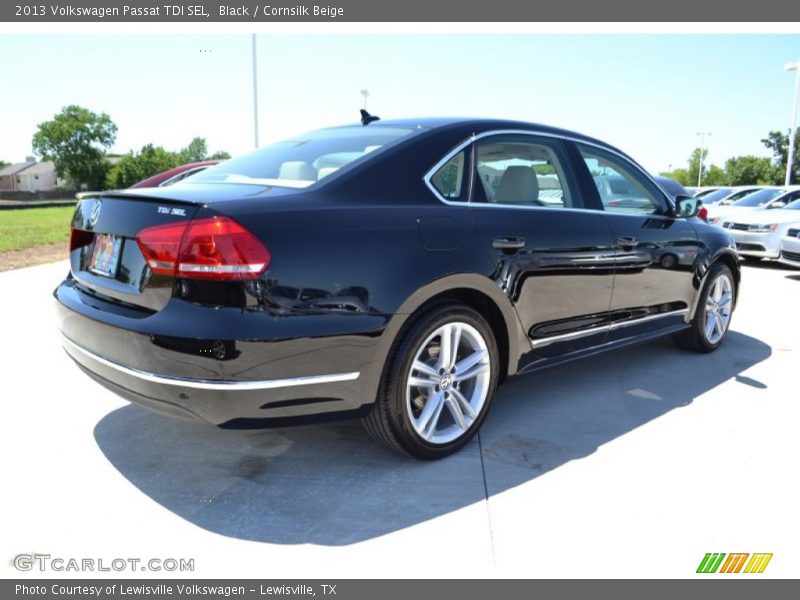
709,328
437,385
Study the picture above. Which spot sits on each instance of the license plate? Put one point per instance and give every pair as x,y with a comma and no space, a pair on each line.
105,254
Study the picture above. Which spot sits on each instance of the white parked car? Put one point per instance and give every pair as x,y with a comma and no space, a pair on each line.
728,195
758,233
770,197
790,248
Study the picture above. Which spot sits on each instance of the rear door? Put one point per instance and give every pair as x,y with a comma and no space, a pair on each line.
553,258
655,252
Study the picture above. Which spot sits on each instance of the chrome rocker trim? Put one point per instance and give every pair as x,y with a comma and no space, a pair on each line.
204,384
546,341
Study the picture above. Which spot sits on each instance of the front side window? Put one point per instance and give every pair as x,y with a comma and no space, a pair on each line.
517,171
620,186
305,159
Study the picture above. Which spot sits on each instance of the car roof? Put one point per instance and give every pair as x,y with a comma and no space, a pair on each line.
480,125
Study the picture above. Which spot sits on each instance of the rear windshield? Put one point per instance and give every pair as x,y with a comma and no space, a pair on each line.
758,198
305,159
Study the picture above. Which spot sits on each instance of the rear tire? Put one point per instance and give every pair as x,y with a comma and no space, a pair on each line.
437,385
709,328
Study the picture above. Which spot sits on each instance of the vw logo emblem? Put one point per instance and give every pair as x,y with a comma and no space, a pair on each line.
94,215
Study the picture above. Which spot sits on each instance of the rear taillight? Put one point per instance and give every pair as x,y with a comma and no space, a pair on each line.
703,213
79,239
215,248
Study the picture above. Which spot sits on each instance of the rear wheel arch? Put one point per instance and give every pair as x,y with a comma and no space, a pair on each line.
472,290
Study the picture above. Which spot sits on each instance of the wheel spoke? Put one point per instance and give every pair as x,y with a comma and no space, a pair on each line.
455,410
725,300
472,372
463,403
445,347
429,417
422,382
710,324
466,363
720,323
717,290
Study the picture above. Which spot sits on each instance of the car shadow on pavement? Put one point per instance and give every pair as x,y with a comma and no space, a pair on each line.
331,485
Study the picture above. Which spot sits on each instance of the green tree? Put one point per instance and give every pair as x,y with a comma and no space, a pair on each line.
679,175
745,170
693,170
135,166
778,143
194,152
76,140
3,164
220,155
714,176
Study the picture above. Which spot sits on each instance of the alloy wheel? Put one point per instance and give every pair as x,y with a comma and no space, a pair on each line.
718,308
448,383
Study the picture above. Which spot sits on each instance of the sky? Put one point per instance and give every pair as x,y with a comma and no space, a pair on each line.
646,94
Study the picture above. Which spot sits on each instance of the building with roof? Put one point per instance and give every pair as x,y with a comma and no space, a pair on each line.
29,176
8,175
40,177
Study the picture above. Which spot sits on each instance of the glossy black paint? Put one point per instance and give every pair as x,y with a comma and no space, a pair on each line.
353,259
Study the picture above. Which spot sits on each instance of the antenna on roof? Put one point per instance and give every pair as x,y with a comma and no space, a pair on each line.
367,118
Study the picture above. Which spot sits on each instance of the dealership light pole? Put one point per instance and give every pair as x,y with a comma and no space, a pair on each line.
365,93
795,66
255,94
702,151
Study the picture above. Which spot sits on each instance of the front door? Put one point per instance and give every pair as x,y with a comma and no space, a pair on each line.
655,252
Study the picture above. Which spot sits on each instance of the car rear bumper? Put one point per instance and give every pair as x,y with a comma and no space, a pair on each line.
255,383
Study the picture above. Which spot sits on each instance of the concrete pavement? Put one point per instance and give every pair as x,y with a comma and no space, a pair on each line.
631,464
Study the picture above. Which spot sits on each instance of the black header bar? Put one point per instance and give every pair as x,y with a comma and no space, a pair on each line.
465,11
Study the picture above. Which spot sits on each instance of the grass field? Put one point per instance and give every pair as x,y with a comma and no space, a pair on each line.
26,228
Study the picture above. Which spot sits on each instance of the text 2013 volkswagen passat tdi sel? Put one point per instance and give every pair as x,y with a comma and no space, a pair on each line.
397,271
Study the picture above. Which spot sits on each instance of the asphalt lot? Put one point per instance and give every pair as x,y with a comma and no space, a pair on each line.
630,464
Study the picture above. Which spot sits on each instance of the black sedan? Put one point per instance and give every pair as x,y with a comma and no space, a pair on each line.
396,271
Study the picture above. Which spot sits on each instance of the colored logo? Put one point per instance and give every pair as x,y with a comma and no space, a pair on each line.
719,562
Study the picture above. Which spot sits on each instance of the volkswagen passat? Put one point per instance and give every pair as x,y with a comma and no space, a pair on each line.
396,271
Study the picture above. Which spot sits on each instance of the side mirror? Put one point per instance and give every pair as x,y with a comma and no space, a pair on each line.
777,205
687,207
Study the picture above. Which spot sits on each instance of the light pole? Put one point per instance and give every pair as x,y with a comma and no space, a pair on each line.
795,66
365,93
702,151
255,94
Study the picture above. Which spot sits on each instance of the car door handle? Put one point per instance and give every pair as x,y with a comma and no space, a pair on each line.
508,243
627,241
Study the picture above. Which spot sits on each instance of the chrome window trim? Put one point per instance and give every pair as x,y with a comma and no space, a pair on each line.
475,137
572,335
205,384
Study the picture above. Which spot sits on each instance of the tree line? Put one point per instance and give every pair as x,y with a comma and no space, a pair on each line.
77,140
743,170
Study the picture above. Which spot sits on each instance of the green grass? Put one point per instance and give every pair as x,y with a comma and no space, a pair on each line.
29,227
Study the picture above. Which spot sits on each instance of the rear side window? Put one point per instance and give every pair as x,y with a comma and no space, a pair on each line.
449,180
621,187
520,171
305,159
